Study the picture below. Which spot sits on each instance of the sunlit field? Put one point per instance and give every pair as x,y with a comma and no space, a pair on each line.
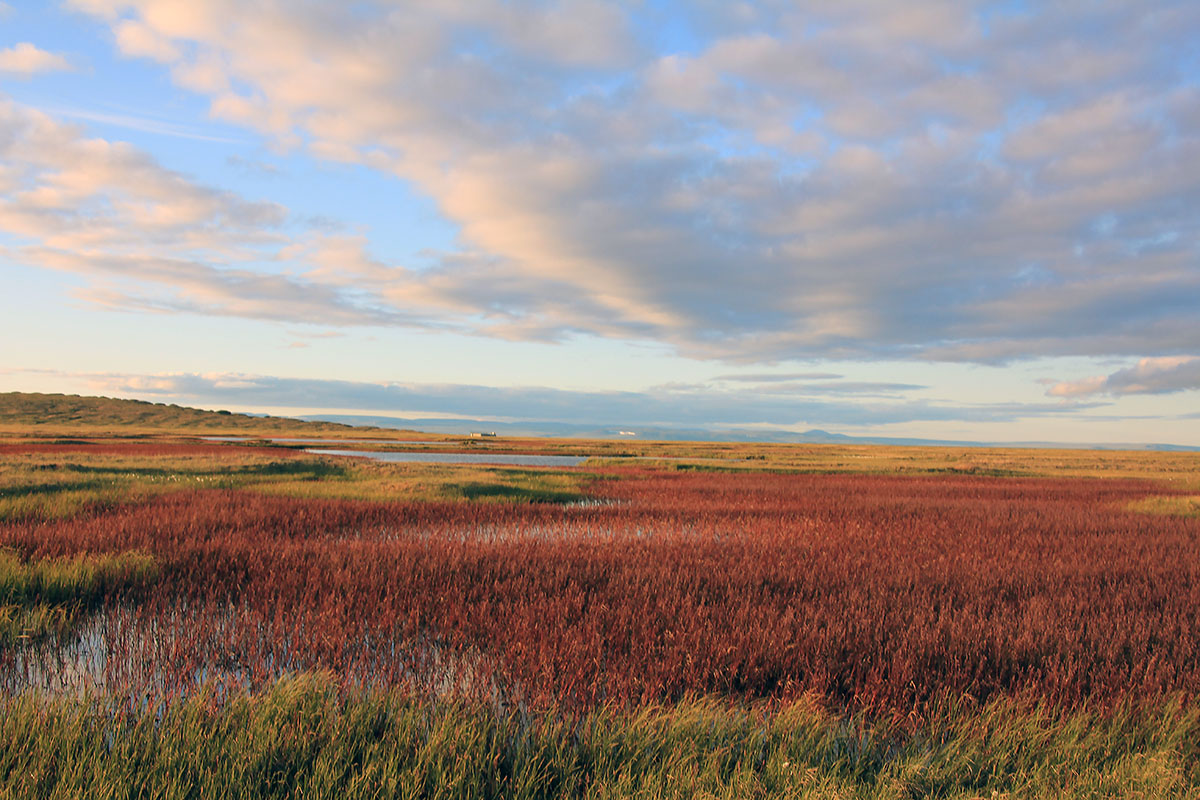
192,618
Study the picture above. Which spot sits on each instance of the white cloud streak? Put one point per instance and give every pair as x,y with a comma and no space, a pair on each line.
139,123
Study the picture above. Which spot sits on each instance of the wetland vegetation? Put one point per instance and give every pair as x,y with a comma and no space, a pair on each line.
181,617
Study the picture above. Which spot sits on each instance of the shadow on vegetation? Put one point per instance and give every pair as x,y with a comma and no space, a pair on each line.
520,494
53,488
313,469
991,472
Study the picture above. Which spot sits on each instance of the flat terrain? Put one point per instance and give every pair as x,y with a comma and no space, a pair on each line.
187,617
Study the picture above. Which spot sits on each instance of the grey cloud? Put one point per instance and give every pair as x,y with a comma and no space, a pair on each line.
768,377
859,388
254,167
1148,376
800,384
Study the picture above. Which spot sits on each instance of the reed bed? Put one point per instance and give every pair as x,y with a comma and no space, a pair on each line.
880,594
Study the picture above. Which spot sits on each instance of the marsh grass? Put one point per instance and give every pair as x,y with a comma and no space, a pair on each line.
56,485
314,735
302,739
36,485
45,597
1180,470
1176,505
29,624
440,483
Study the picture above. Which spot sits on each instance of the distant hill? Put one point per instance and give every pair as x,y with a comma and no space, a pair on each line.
60,413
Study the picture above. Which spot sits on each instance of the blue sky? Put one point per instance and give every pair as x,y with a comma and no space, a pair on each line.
938,219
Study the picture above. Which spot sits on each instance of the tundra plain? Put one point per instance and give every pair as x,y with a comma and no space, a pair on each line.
189,618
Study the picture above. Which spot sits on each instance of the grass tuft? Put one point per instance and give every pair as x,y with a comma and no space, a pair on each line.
45,597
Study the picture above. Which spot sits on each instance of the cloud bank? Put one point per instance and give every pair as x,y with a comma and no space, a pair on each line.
660,406
954,181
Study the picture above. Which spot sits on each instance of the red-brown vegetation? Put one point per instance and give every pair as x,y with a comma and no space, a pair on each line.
872,591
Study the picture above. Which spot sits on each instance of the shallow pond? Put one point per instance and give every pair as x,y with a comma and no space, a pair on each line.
288,440
513,459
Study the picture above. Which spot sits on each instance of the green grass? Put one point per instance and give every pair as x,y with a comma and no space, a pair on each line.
61,485
45,597
364,480
43,486
25,624
301,740
1177,505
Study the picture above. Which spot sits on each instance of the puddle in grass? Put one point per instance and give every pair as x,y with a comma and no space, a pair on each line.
149,659
510,459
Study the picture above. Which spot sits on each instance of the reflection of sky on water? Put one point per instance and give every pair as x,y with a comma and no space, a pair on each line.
460,458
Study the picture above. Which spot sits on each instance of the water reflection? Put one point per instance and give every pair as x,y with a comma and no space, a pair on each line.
289,440
459,458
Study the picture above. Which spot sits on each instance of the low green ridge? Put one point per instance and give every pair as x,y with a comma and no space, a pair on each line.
60,411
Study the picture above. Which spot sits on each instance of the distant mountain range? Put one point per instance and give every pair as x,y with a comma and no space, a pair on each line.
62,413
661,433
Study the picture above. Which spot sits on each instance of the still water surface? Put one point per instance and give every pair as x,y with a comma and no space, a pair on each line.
283,440
459,458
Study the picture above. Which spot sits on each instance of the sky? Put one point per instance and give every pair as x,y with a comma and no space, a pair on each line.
953,220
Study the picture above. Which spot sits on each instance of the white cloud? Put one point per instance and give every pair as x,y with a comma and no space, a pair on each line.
26,59
1149,376
152,239
139,39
